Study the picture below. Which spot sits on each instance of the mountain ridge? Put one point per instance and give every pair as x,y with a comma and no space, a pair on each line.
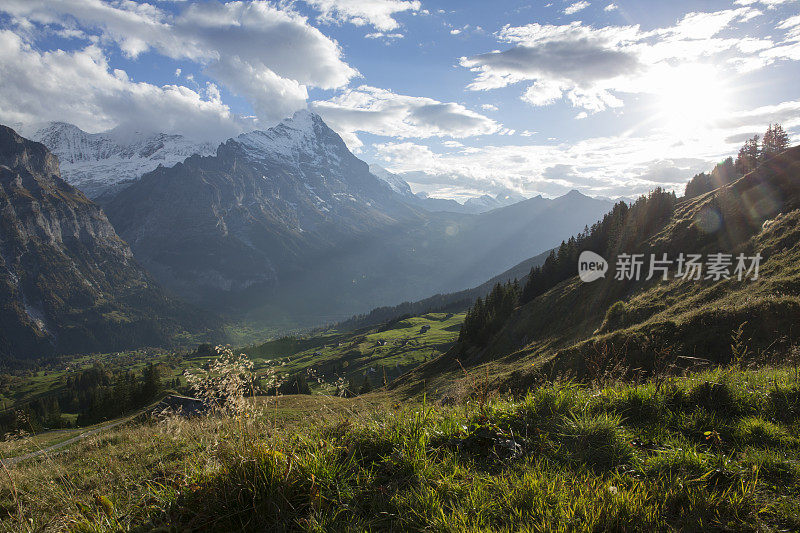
100,164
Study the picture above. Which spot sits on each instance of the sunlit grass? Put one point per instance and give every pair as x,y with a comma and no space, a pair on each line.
564,457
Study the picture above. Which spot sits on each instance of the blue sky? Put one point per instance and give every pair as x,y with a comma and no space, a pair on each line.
465,98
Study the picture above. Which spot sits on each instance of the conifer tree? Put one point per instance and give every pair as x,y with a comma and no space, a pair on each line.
748,156
775,141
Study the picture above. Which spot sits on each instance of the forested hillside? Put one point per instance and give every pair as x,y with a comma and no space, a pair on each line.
564,325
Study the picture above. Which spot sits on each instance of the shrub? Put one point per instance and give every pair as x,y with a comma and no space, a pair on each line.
226,383
784,403
596,440
755,431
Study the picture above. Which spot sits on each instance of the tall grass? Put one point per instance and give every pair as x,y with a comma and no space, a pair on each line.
564,457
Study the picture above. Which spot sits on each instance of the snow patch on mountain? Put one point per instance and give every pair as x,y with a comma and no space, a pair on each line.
99,163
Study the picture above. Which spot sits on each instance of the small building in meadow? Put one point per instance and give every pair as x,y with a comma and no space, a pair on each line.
180,405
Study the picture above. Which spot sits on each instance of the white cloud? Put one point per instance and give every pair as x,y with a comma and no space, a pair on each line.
770,4
489,107
791,22
376,13
611,7
592,67
786,113
99,98
383,112
542,92
610,166
577,6
704,25
452,144
381,35
251,47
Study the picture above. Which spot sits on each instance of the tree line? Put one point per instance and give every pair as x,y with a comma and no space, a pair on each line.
620,229
623,228
488,315
754,151
95,394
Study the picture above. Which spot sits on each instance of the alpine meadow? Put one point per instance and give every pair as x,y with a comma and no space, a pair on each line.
399,265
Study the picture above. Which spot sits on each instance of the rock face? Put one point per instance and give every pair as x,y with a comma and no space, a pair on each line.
394,181
100,164
68,283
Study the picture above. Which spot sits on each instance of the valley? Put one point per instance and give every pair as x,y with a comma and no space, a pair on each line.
450,360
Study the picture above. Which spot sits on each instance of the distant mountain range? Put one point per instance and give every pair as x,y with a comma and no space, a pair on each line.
100,164
68,283
475,205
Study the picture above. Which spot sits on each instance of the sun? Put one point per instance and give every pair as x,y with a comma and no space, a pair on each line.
691,99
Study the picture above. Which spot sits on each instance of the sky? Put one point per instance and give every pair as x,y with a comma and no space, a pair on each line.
463,97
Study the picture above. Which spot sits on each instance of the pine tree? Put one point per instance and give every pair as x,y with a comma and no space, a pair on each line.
775,141
748,156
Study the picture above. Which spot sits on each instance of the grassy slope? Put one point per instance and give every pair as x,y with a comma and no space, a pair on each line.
352,355
565,330
716,451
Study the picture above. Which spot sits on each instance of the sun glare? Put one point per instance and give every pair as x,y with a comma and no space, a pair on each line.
691,99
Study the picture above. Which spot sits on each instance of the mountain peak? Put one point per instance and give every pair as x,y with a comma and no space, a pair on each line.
574,193
303,118
99,163
303,133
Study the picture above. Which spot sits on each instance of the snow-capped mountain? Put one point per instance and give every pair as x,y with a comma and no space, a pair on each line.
267,206
486,202
103,163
